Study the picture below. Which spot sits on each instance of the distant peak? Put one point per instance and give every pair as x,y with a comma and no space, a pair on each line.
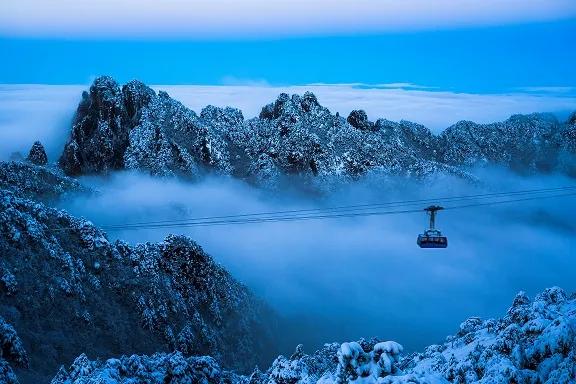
37,154
359,120
105,82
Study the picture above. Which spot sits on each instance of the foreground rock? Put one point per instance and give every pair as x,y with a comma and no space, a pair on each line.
534,343
11,352
66,289
295,138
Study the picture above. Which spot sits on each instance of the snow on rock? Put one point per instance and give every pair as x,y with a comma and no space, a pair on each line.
71,290
367,362
296,138
357,366
160,368
37,182
100,131
11,350
534,343
37,154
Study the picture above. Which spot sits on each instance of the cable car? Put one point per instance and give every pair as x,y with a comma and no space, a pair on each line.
432,238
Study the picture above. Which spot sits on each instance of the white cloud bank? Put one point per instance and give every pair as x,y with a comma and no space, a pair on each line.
44,112
435,109
257,18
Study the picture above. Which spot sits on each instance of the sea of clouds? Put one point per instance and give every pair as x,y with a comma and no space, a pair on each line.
336,280
342,279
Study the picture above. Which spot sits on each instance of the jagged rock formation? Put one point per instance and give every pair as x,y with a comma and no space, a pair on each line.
534,343
36,182
534,142
70,290
295,137
11,351
100,131
37,154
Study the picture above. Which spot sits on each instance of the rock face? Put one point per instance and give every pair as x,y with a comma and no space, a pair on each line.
295,138
70,290
36,182
37,154
523,142
100,131
358,119
11,351
534,343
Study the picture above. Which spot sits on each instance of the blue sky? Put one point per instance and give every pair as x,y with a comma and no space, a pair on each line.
461,46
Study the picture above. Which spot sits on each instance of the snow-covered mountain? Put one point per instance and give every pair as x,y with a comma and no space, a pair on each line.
295,137
534,343
67,289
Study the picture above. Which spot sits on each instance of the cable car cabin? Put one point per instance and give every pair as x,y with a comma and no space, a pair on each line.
432,238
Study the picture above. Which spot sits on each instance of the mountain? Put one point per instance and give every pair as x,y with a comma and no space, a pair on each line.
534,343
67,289
296,138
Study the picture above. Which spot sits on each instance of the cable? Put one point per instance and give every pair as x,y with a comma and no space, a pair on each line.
351,211
320,216
348,207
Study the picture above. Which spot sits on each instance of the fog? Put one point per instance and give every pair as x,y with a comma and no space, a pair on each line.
342,279
36,112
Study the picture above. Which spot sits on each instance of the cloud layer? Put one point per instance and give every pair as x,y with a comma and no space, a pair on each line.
258,18
361,277
435,109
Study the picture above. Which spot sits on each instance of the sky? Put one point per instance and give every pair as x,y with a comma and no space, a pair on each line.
489,46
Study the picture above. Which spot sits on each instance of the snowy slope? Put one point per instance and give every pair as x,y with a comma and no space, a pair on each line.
535,342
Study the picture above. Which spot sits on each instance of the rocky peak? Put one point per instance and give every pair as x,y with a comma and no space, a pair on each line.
276,109
106,97
35,182
572,118
286,105
100,131
309,101
116,298
37,154
359,120
136,95
228,115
